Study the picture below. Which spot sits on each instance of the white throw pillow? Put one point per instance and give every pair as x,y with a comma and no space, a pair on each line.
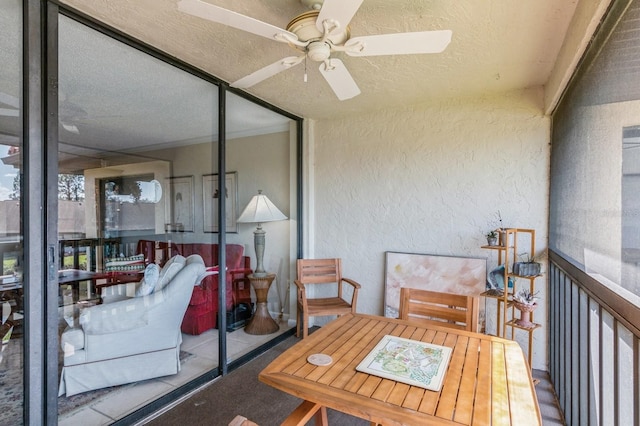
169,270
150,280
72,340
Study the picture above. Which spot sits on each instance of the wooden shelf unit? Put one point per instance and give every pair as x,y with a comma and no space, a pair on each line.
508,255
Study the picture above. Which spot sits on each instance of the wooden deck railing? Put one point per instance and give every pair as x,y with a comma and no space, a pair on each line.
594,348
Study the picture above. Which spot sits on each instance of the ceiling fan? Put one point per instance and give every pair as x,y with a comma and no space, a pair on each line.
317,34
69,113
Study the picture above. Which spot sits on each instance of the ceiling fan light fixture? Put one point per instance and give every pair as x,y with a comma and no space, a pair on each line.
318,51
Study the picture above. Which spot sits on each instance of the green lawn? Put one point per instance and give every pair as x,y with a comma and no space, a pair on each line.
9,263
82,260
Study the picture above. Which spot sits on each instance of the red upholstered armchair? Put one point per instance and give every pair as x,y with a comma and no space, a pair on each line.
202,312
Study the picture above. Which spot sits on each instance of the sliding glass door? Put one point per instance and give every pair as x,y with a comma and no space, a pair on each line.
149,165
142,200
136,136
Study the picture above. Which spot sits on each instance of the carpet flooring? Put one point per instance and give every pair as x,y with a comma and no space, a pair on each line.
11,382
240,392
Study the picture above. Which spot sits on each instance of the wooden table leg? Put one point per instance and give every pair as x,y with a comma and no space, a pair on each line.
305,411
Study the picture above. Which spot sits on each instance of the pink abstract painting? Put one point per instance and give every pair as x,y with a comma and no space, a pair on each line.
460,275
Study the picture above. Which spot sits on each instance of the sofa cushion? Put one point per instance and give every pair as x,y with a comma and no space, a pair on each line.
169,270
72,340
150,280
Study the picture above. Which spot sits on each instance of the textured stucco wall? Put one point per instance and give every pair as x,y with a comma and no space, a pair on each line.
429,180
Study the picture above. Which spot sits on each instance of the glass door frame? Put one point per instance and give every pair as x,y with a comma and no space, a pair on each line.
40,211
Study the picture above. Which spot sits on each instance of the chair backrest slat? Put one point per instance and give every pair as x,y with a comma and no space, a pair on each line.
446,309
320,271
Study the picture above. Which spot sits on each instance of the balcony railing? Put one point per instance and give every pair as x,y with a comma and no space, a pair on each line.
594,348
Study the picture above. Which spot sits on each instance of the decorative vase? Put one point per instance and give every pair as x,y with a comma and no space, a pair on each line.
502,234
525,314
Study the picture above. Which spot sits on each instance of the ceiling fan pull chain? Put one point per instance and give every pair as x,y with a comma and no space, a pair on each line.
305,68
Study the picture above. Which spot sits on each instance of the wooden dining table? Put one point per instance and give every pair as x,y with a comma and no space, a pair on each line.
487,381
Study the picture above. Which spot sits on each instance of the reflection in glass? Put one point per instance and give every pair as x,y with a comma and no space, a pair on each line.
11,231
137,136
128,124
631,208
595,163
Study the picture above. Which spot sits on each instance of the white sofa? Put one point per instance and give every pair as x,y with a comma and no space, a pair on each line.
133,339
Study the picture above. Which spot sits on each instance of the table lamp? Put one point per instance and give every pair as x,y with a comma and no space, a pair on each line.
259,210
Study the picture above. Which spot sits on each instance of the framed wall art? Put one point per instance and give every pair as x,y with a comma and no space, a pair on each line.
210,201
179,204
449,274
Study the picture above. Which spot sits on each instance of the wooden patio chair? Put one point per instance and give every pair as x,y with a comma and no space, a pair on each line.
434,307
326,273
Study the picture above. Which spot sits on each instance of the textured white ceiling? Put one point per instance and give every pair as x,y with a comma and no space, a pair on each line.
497,46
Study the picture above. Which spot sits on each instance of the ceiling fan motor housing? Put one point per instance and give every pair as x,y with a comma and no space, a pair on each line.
304,26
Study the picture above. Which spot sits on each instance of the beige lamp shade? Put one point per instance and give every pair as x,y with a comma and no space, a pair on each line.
260,209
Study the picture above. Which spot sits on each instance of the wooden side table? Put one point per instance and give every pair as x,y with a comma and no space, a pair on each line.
261,322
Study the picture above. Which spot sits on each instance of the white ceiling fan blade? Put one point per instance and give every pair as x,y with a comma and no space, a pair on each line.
6,112
338,10
340,80
231,19
71,128
268,71
399,44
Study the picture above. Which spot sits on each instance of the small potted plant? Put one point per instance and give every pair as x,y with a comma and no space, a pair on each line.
500,230
492,238
526,302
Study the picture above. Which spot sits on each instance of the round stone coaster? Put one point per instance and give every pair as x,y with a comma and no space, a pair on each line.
320,359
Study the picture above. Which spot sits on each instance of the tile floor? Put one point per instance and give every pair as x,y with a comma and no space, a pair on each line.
204,350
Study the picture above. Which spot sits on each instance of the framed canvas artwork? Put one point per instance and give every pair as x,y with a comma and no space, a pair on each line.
179,204
460,275
210,201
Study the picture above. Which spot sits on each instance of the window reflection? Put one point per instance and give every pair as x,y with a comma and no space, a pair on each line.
595,163
631,208
138,148
11,228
